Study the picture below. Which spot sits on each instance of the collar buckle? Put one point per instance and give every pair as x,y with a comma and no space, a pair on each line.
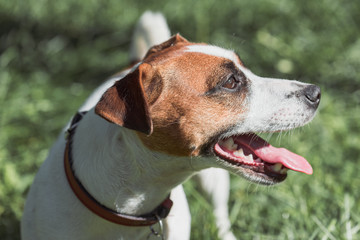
97,208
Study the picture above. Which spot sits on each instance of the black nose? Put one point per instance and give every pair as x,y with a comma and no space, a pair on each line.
312,95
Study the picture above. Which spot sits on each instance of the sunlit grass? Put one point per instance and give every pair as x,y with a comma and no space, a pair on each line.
319,206
54,53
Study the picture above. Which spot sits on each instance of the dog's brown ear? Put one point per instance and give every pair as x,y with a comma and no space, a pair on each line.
125,102
174,40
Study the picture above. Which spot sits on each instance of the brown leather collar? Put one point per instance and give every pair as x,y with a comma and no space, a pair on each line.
93,205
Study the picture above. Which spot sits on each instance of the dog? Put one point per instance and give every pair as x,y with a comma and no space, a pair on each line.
186,108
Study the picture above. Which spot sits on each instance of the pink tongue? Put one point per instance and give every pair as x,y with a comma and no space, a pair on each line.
274,155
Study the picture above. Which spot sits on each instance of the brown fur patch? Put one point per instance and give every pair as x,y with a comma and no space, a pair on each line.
176,98
184,117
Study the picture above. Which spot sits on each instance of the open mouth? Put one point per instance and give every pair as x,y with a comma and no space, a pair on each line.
254,153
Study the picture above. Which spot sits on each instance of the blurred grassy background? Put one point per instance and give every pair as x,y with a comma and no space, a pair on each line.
54,53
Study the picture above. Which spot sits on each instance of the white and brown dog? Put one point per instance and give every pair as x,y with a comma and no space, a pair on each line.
184,108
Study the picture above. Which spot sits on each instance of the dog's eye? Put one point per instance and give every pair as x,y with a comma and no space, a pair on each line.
231,83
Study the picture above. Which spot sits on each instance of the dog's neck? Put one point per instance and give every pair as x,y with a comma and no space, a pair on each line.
133,180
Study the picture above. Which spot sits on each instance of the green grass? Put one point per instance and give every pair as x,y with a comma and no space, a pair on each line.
324,205
54,53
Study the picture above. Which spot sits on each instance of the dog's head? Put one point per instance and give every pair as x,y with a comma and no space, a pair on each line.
187,99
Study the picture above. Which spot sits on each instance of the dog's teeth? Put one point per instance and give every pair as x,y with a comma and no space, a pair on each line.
239,153
250,158
276,167
283,170
229,144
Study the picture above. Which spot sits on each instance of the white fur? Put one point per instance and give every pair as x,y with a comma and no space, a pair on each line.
122,174
269,110
113,174
215,182
213,51
269,107
146,35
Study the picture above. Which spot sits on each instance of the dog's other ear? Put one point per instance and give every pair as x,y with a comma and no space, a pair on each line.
125,102
174,40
